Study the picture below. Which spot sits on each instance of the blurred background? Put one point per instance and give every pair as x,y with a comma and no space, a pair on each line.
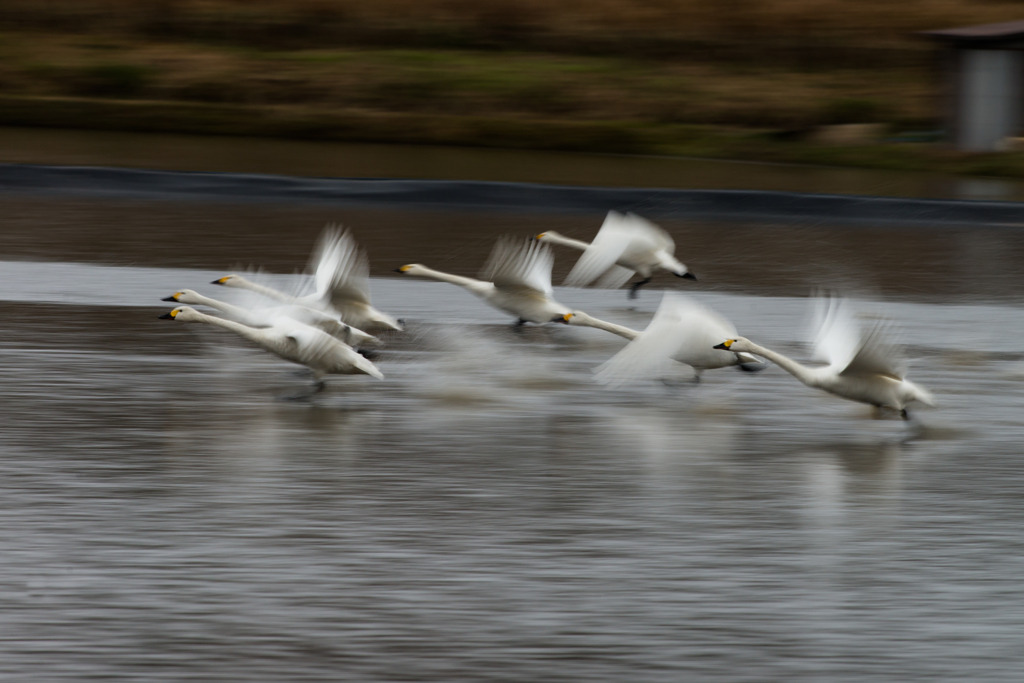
733,79
488,512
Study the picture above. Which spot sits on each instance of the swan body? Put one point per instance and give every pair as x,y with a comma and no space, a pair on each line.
292,341
518,280
625,244
863,365
679,332
314,318
341,275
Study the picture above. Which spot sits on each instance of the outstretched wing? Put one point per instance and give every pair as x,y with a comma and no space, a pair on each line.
518,264
851,347
609,244
319,350
614,277
681,329
341,269
650,235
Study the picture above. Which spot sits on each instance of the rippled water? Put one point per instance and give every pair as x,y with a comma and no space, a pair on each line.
487,512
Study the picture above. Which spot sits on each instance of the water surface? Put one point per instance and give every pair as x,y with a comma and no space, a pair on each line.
488,512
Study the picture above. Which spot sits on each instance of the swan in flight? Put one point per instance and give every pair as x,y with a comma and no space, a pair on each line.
682,331
293,341
341,275
625,244
517,280
258,318
864,365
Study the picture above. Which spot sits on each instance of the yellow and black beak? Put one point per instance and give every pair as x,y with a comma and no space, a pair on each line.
564,319
172,297
724,345
221,281
170,316
402,269
537,237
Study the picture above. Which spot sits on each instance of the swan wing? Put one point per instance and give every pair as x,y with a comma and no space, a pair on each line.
520,265
647,235
681,330
852,348
614,277
341,269
611,241
319,350
879,353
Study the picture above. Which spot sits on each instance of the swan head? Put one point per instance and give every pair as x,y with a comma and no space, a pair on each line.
181,313
185,296
548,236
570,318
737,345
411,269
228,280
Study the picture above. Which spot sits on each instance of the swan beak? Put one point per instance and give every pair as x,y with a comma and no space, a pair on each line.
172,297
402,269
169,316
537,237
564,319
724,345
221,281
688,276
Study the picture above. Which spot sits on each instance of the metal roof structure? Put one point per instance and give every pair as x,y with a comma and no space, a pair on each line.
1002,34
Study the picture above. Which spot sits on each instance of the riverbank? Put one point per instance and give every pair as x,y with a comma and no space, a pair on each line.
691,82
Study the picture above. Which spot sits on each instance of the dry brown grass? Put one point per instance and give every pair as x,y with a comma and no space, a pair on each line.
800,30
467,67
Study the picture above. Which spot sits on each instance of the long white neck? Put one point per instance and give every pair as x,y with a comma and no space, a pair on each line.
801,372
260,289
473,285
223,306
238,328
591,321
558,238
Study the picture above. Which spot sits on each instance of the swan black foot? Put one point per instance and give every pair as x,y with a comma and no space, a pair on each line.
636,286
904,414
367,354
520,322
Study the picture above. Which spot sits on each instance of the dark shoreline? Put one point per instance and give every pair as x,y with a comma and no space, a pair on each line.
728,205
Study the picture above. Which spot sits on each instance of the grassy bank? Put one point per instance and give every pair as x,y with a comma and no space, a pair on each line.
734,79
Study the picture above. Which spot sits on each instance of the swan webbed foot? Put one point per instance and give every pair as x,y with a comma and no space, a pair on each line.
904,414
751,367
367,354
636,286
519,323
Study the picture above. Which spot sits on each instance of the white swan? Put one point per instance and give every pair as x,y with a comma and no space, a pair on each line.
682,331
624,245
518,280
291,340
259,318
863,364
341,275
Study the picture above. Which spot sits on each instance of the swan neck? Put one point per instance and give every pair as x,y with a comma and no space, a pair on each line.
265,291
467,282
802,373
222,306
237,328
620,330
565,241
